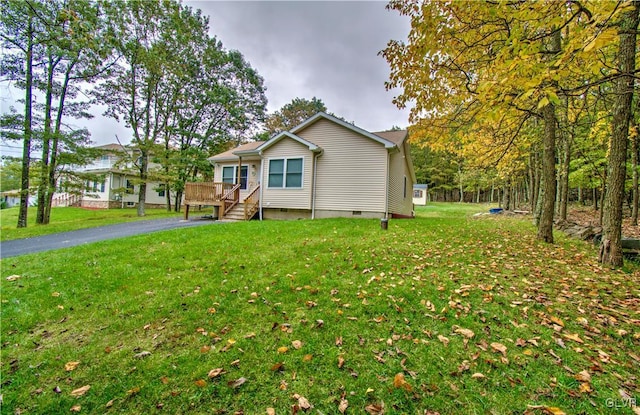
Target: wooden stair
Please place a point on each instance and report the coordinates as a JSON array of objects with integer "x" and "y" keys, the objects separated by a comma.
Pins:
[{"x": 235, "y": 214}]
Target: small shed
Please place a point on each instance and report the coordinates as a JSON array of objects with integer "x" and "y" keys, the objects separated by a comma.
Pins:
[{"x": 420, "y": 194}]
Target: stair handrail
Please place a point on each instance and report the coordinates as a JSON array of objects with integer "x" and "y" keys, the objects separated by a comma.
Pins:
[
  {"x": 231, "y": 197},
  {"x": 251, "y": 203}
]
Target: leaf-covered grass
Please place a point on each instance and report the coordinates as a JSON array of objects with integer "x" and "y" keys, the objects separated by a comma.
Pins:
[
  {"x": 444, "y": 313},
  {"x": 69, "y": 219}
]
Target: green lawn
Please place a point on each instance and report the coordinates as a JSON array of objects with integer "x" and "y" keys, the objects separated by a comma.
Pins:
[
  {"x": 445, "y": 313},
  {"x": 69, "y": 219}
]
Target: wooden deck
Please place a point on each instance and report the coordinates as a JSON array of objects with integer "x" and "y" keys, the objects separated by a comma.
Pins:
[{"x": 224, "y": 195}]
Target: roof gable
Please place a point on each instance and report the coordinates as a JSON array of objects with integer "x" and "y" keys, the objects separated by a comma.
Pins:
[
  {"x": 287, "y": 134},
  {"x": 321, "y": 115}
]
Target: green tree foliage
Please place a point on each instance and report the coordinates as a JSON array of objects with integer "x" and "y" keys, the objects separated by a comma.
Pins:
[
  {"x": 10, "y": 174},
  {"x": 178, "y": 90},
  {"x": 293, "y": 113}
]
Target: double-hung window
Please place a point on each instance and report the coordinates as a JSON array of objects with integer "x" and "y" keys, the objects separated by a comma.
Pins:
[
  {"x": 285, "y": 173},
  {"x": 230, "y": 175}
]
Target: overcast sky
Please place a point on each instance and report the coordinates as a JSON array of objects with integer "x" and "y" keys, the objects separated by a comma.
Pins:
[{"x": 326, "y": 49}]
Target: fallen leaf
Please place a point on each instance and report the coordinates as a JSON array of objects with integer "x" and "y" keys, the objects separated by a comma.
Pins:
[
  {"x": 375, "y": 409},
  {"x": 573, "y": 337},
  {"x": 75, "y": 408},
  {"x": 13, "y": 277},
  {"x": 214, "y": 373},
  {"x": 69, "y": 366},
  {"x": 307, "y": 358},
  {"x": 133, "y": 391},
  {"x": 277, "y": 367},
  {"x": 343, "y": 405},
  {"x": 55, "y": 294},
  {"x": 340, "y": 362},
  {"x": 200, "y": 383},
  {"x": 499, "y": 347},
  {"x": 110, "y": 403},
  {"x": 557, "y": 321},
  {"x": 297, "y": 344},
  {"x": 443, "y": 340},
  {"x": 142, "y": 354},
  {"x": 205, "y": 349},
  {"x": 271, "y": 411},
  {"x": 465, "y": 332},
  {"x": 583, "y": 376},
  {"x": 164, "y": 380},
  {"x": 585, "y": 388},
  {"x": 80, "y": 391},
  {"x": 236, "y": 383},
  {"x": 553, "y": 410},
  {"x": 399, "y": 382},
  {"x": 339, "y": 341},
  {"x": 283, "y": 349},
  {"x": 478, "y": 375},
  {"x": 302, "y": 402}
]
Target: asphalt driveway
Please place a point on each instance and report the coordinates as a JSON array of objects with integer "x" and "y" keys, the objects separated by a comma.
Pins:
[{"x": 101, "y": 233}]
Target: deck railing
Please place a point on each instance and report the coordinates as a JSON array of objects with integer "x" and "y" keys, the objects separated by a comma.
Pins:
[
  {"x": 205, "y": 193},
  {"x": 251, "y": 203},
  {"x": 66, "y": 200}
]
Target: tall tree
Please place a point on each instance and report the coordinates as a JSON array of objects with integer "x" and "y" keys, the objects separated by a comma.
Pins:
[
  {"x": 611, "y": 248},
  {"x": 293, "y": 113},
  {"x": 147, "y": 36},
  {"x": 20, "y": 33}
]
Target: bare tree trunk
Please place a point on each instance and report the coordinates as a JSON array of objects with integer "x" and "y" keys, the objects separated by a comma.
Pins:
[
  {"x": 142, "y": 195},
  {"x": 545, "y": 225},
  {"x": 26, "y": 147},
  {"x": 564, "y": 178},
  {"x": 611, "y": 247},
  {"x": 634, "y": 166}
]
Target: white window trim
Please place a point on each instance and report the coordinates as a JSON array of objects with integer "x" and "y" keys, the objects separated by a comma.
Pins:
[
  {"x": 235, "y": 173},
  {"x": 284, "y": 173}
]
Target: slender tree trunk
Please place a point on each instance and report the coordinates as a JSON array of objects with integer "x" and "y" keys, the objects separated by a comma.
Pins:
[
  {"x": 634, "y": 166},
  {"x": 545, "y": 225},
  {"x": 46, "y": 142},
  {"x": 611, "y": 247},
  {"x": 26, "y": 148},
  {"x": 144, "y": 173},
  {"x": 506, "y": 196},
  {"x": 564, "y": 178},
  {"x": 53, "y": 165}
]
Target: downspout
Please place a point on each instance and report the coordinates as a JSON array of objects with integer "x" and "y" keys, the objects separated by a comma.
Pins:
[
  {"x": 386, "y": 185},
  {"x": 261, "y": 187},
  {"x": 313, "y": 185}
]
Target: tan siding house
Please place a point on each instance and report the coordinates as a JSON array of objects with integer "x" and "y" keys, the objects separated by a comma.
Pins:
[{"x": 326, "y": 167}]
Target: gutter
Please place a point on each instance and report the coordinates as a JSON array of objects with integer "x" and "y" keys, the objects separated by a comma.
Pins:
[{"x": 261, "y": 187}]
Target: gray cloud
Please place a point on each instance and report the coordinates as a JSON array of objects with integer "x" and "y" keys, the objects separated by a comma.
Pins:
[{"x": 323, "y": 49}]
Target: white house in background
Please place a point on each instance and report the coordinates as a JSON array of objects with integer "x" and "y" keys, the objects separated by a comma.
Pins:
[
  {"x": 420, "y": 194},
  {"x": 324, "y": 167},
  {"x": 11, "y": 198},
  {"x": 114, "y": 185}
]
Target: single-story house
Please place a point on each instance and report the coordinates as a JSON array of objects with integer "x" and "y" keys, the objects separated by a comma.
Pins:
[
  {"x": 324, "y": 167},
  {"x": 420, "y": 194}
]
